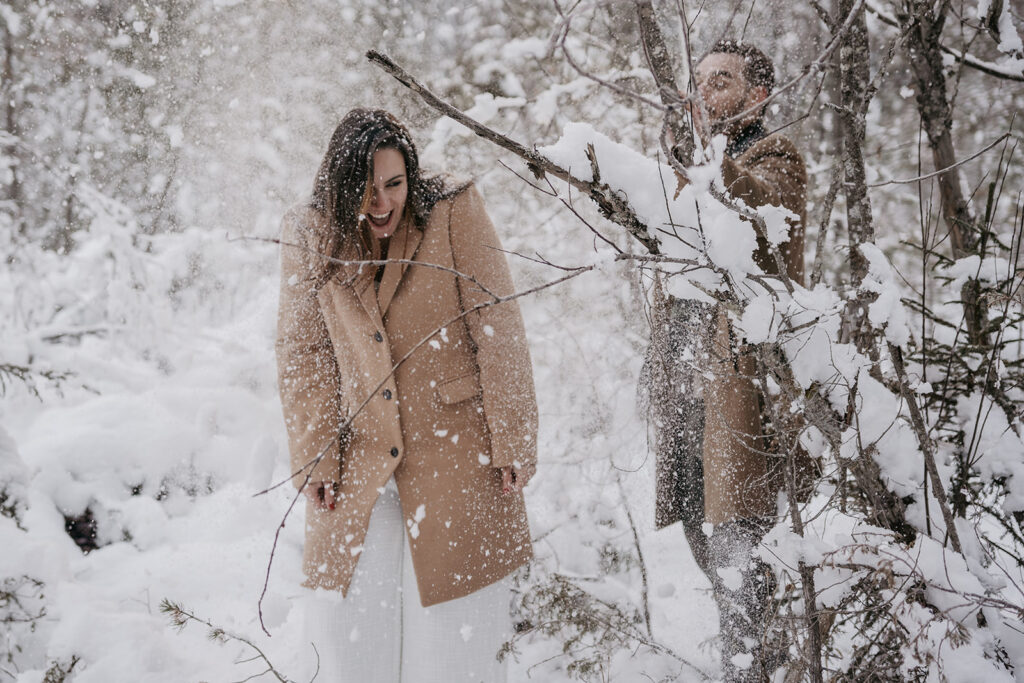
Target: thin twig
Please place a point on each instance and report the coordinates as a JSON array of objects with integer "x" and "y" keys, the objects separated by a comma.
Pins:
[
  {"x": 919, "y": 178},
  {"x": 826, "y": 218},
  {"x": 373, "y": 262},
  {"x": 921, "y": 429},
  {"x": 180, "y": 617},
  {"x": 560, "y": 37},
  {"x": 644, "y": 590}
]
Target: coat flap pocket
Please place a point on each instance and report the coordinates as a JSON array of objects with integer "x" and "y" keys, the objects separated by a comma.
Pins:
[{"x": 458, "y": 389}]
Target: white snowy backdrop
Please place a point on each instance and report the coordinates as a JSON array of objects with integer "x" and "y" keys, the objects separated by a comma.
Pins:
[{"x": 149, "y": 150}]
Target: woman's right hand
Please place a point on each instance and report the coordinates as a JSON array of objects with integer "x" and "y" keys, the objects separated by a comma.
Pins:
[
  {"x": 515, "y": 478},
  {"x": 321, "y": 493}
]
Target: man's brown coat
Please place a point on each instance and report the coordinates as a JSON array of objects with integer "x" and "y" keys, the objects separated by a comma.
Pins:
[
  {"x": 739, "y": 480},
  {"x": 459, "y": 405}
]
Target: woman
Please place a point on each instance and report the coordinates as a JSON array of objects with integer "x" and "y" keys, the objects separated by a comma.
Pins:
[{"x": 417, "y": 389}]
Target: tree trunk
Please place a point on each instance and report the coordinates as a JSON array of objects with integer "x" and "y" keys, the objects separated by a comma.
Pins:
[
  {"x": 923, "y": 27},
  {"x": 854, "y": 75},
  {"x": 884, "y": 507},
  {"x": 659, "y": 61},
  {"x": 11, "y": 124}
]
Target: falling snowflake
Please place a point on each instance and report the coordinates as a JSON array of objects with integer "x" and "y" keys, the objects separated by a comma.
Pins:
[{"x": 414, "y": 523}]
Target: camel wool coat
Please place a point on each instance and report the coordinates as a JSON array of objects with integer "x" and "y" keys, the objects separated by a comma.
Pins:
[
  {"x": 741, "y": 480},
  {"x": 460, "y": 405}
]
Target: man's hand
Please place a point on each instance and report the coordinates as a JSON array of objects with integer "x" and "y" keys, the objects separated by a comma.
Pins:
[
  {"x": 515, "y": 478},
  {"x": 322, "y": 493}
]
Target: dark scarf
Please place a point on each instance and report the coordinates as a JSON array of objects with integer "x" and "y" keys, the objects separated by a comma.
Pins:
[{"x": 745, "y": 139}]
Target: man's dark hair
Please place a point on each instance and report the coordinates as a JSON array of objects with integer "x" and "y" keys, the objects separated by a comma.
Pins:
[{"x": 757, "y": 68}]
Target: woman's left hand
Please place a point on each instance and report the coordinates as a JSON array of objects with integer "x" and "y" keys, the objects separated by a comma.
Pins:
[{"x": 515, "y": 478}]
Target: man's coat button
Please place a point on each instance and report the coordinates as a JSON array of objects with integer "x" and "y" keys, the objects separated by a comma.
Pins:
[
  {"x": 394, "y": 451},
  {"x": 377, "y": 336}
]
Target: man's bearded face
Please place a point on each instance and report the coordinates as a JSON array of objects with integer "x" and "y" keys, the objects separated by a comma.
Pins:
[{"x": 726, "y": 92}]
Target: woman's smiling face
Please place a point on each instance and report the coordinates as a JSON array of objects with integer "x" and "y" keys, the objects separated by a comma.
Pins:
[{"x": 389, "y": 188}]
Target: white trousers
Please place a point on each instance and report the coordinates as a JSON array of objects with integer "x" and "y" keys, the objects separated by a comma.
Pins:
[{"x": 380, "y": 633}]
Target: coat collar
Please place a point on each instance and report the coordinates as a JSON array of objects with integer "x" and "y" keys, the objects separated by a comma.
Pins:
[
  {"x": 404, "y": 244},
  {"x": 405, "y": 241},
  {"x": 745, "y": 139}
]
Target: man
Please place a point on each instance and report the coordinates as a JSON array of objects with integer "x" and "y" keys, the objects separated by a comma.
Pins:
[{"x": 715, "y": 465}]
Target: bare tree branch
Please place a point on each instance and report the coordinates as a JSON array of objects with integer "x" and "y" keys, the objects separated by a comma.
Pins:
[
  {"x": 963, "y": 57},
  {"x": 926, "y": 176},
  {"x": 181, "y": 617},
  {"x": 612, "y": 205},
  {"x": 927, "y": 446},
  {"x": 559, "y": 40},
  {"x": 660, "y": 63}
]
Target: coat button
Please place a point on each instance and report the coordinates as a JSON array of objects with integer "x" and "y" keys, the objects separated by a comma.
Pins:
[
  {"x": 387, "y": 394},
  {"x": 377, "y": 336},
  {"x": 394, "y": 451}
]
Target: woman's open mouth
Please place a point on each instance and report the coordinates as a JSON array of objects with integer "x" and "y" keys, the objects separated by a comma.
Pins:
[{"x": 379, "y": 221}]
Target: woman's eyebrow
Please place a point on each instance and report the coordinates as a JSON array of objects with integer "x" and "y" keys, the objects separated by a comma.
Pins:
[{"x": 396, "y": 177}]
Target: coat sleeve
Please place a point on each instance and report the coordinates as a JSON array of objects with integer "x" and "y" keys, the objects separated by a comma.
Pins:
[
  {"x": 498, "y": 333},
  {"x": 306, "y": 367},
  {"x": 772, "y": 172}
]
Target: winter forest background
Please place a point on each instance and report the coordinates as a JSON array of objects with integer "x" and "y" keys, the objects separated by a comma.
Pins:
[{"x": 149, "y": 149}]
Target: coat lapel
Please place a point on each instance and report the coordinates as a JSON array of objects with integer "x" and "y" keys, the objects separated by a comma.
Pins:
[
  {"x": 360, "y": 279},
  {"x": 364, "y": 289},
  {"x": 407, "y": 240}
]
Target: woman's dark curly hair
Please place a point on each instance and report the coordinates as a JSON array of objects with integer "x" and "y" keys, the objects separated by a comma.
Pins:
[{"x": 344, "y": 180}]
